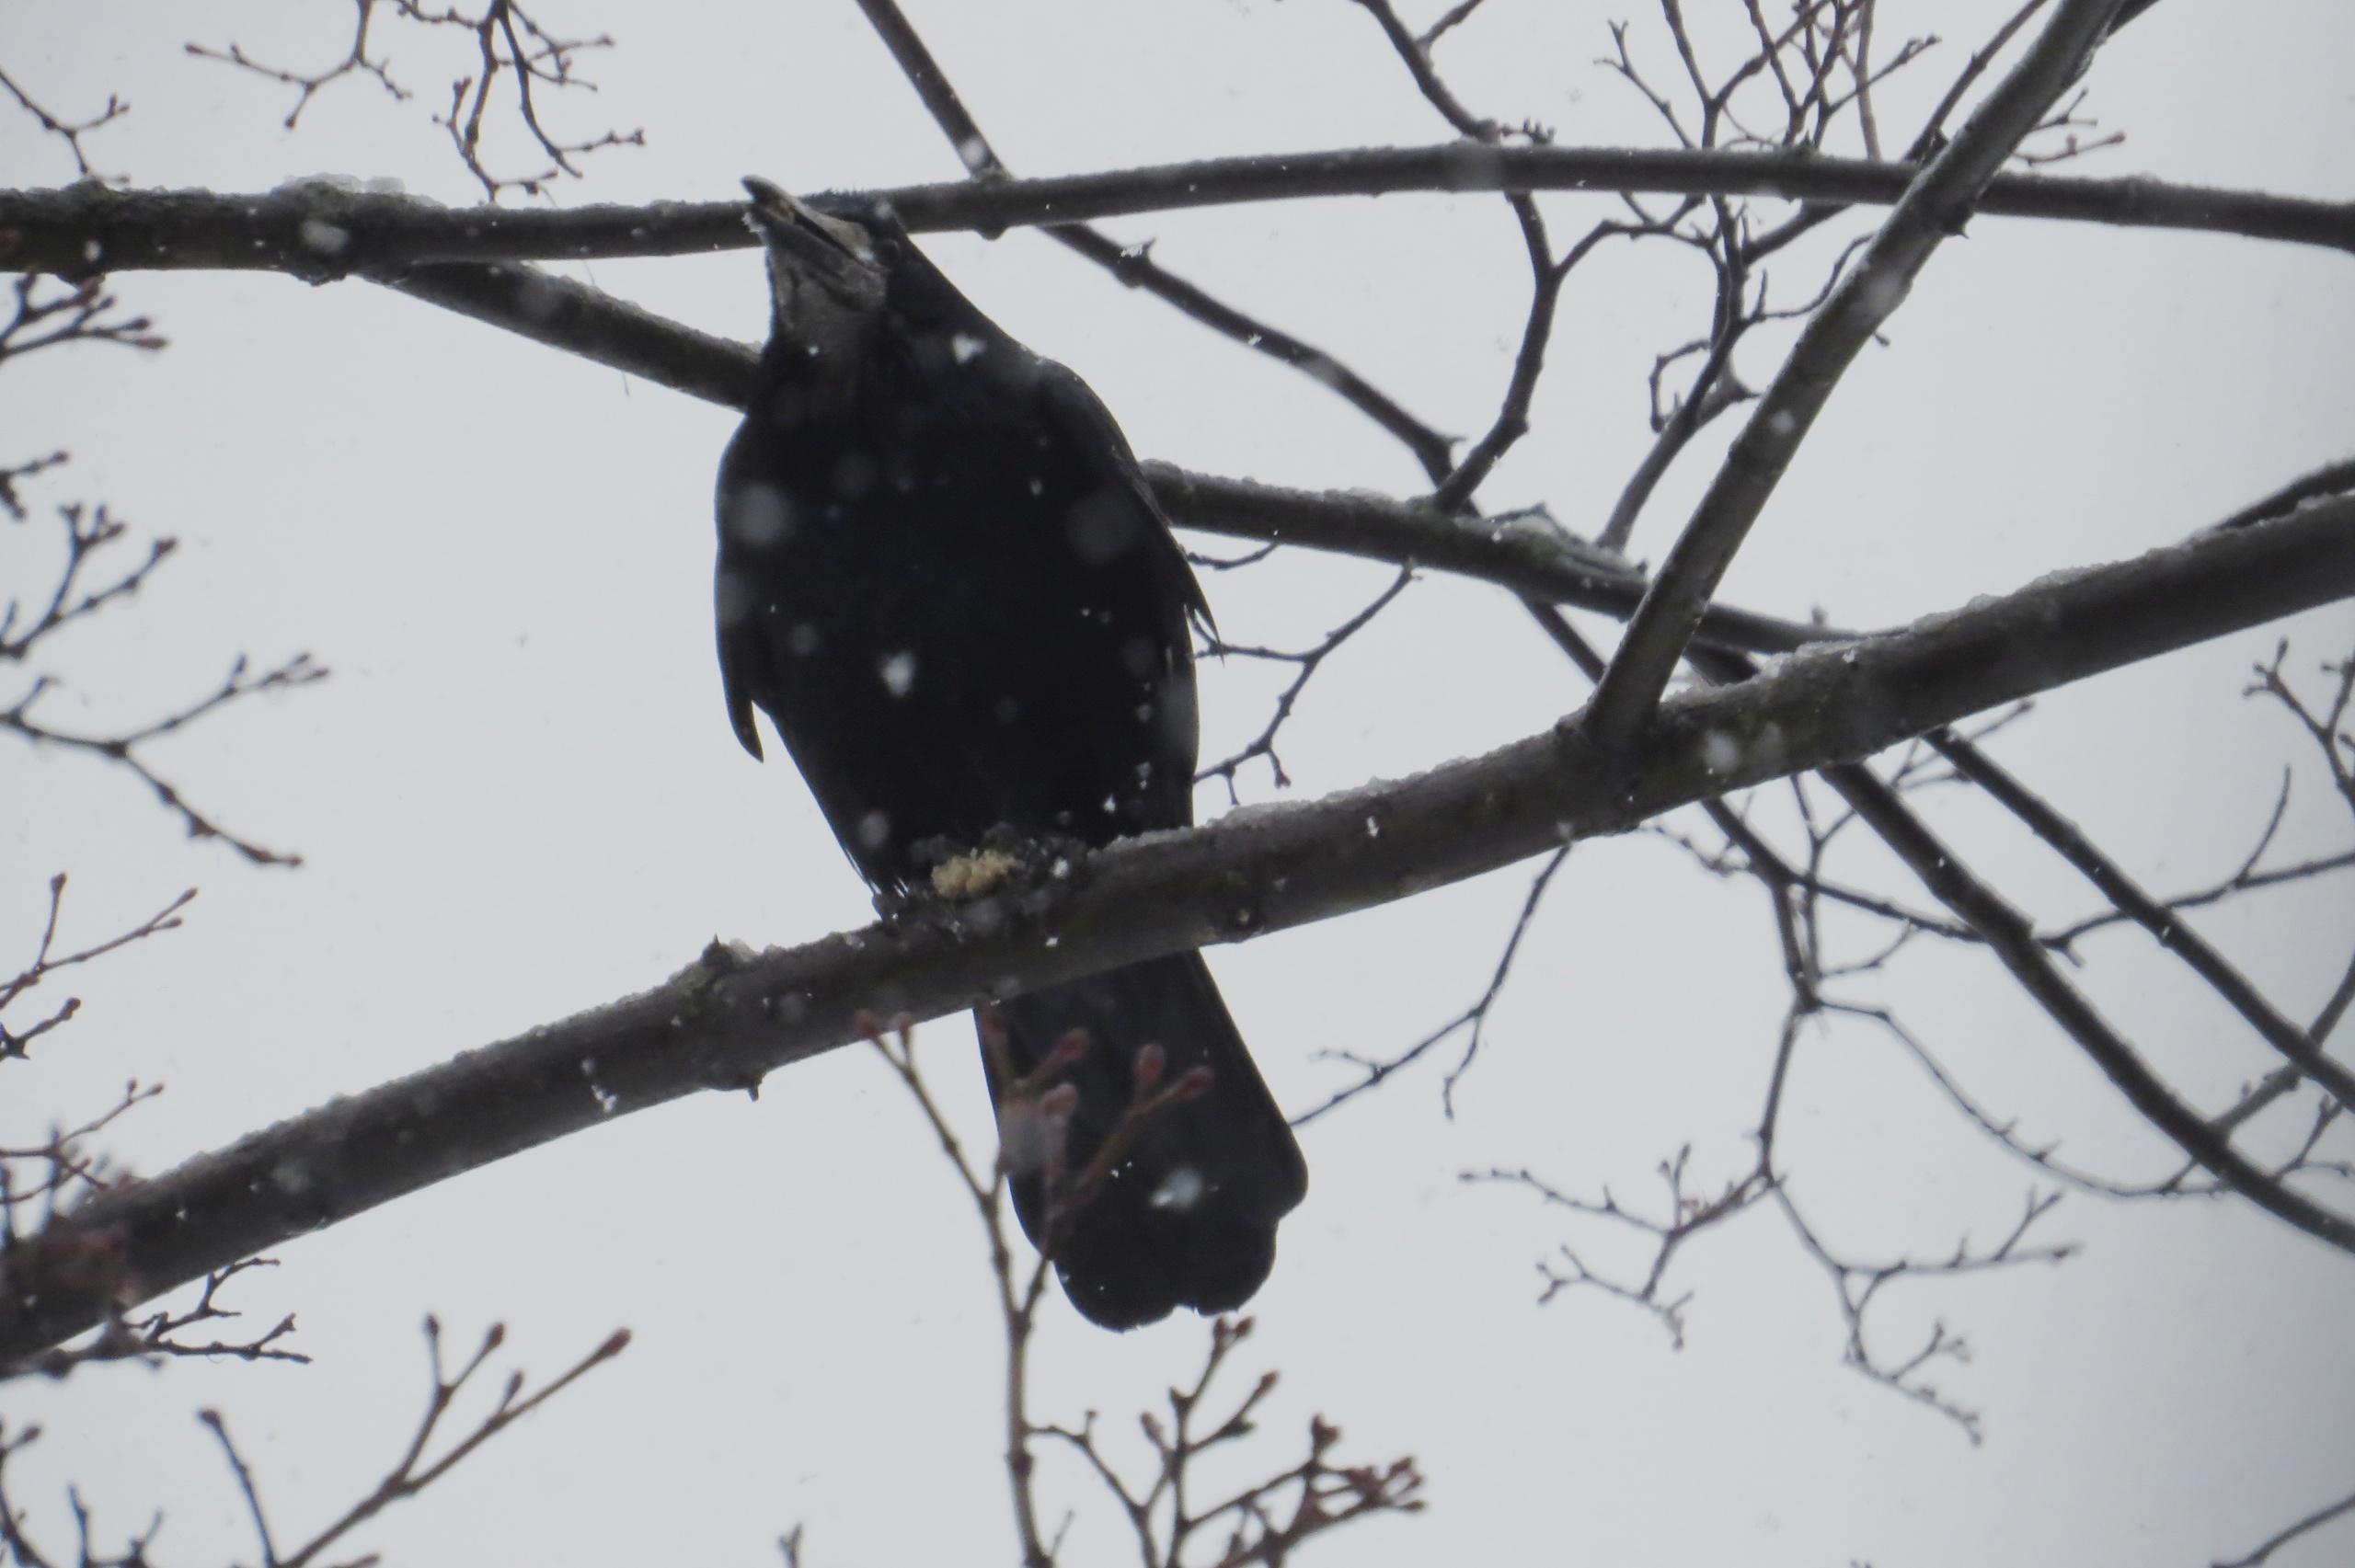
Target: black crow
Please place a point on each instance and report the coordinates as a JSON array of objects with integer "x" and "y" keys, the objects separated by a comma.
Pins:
[{"x": 943, "y": 577}]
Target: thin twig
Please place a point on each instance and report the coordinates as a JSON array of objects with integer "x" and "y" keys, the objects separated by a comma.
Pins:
[
  {"x": 69, "y": 132},
  {"x": 46, "y": 962},
  {"x": 1474, "y": 1018},
  {"x": 122, "y": 750},
  {"x": 1306, "y": 664}
]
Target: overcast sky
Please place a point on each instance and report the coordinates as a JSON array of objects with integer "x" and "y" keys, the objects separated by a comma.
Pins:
[{"x": 518, "y": 796}]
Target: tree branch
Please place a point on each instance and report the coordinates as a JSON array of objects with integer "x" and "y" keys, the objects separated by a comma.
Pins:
[
  {"x": 319, "y": 229},
  {"x": 2315, "y": 1520},
  {"x": 1516, "y": 550},
  {"x": 726, "y": 1020}
]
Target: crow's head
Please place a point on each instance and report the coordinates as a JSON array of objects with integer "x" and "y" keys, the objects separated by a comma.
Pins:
[{"x": 826, "y": 273}]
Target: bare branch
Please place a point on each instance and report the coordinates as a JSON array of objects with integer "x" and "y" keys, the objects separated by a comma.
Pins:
[
  {"x": 1525, "y": 552},
  {"x": 27, "y": 1553},
  {"x": 727, "y": 1020},
  {"x": 508, "y": 41},
  {"x": 11, "y": 501},
  {"x": 2313, "y": 1521},
  {"x": 88, "y": 535},
  {"x": 1019, "y": 1292},
  {"x": 64, "y": 1174},
  {"x": 2005, "y": 1132},
  {"x": 1474, "y": 1018},
  {"x": 1858, "y": 1284},
  {"x": 356, "y": 62},
  {"x": 121, "y": 751},
  {"x": 1417, "y": 58},
  {"x": 2324, "y": 725},
  {"x": 82, "y": 229},
  {"x": 66, "y": 131},
  {"x": 1688, "y": 1214},
  {"x": 46, "y": 961},
  {"x": 1305, "y": 667},
  {"x": 79, "y": 315},
  {"x": 413, "y": 1473},
  {"x": 154, "y": 1336},
  {"x": 1257, "y": 1525},
  {"x": 84, "y": 542}
]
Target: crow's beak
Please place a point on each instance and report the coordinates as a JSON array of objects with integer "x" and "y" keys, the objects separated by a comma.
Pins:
[{"x": 836, "y": 251}]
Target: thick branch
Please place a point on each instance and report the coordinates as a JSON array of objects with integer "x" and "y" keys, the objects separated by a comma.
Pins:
[
  {"x": 319, "y": 230},
  {"x": 725, "y": 1022}
]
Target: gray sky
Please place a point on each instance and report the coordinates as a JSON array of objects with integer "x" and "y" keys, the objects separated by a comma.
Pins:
[{"x": 518, "y": 796}]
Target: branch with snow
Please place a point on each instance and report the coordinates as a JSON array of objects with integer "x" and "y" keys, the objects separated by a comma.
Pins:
[
  {"x": 727, "y": 1020},
  {"x": 83, "y": 228}
]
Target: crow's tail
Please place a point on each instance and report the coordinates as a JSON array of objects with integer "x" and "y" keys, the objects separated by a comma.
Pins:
[{"x": 1187, "y": 1218}]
